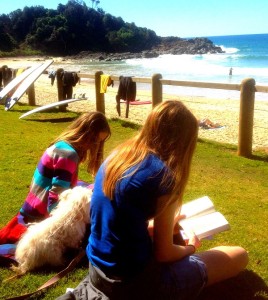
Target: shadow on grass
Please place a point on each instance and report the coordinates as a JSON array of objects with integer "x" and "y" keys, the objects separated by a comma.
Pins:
[
  {"x": 127, "y": 124},
  {"x": 18, "y": 107},
  {"x": 263, "y": 157},
  {"x": 53, "y": 120},
  {"x": 53, "y": 115},
  {"x": 259, "y": 155},
  {"x": 246, "y": 286}
]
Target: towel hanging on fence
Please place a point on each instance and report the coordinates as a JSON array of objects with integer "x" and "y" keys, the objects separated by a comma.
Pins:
[{"x": 105, "y": 82}]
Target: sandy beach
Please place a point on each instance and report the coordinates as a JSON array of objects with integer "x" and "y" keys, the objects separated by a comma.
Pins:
[{"x": 222, "y": 111}]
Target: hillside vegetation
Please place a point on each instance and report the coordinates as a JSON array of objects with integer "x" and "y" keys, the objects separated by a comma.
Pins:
[
  {"x": 70, "y": 29},
  {"x": 75, "y": 27}
]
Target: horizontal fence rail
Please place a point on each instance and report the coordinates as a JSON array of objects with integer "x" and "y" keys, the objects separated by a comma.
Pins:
[{"x": 207, "y": 85}]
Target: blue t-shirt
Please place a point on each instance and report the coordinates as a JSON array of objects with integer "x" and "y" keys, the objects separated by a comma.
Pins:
[{"x": 119, "y": 243}]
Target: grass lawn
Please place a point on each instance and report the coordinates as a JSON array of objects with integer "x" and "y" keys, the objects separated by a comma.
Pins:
[{"x": 237, "y": 186}]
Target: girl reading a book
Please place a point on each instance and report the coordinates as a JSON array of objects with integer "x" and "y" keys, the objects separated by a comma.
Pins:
[{"x": 144, "y": 179}]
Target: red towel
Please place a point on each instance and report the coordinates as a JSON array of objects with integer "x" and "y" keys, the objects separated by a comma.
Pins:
[{"x": 12, "y": 232}]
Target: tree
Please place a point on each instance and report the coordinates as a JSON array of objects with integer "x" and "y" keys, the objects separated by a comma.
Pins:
[
  {"x": 50, "y": 35},
  {"x": 95, "y": 3},
  {"x": 7, "y": 42},
  {"x": 23, "y": 20}
]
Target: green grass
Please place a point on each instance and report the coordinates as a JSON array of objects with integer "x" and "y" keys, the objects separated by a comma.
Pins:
[
  {"x": 20, "y": 52},
  {"x": 238, "y": 187}
]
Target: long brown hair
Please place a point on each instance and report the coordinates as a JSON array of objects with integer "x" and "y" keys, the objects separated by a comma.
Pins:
[
  {"x": 83, "y": 135},
  {"x": 170, "y": 132}
]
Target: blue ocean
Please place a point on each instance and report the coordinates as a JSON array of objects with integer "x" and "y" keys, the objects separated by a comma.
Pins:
[{"x": 247, "y": 55}]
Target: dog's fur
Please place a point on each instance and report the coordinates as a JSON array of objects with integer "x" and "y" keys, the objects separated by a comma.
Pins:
[{"x": 45, "y": 243}]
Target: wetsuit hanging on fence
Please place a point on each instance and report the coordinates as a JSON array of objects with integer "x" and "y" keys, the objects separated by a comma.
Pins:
[
  {"x": 126, "y": 91},
  {"x": 65, "y": 81}
]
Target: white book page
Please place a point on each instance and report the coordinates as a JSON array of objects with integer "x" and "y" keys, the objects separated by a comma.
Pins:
[
  {"x": 200, "y": 206},
  {"x": 206, "y": 225}
]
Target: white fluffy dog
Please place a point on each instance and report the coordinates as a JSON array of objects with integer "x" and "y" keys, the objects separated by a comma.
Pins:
[{"x": 45, "y": 243}]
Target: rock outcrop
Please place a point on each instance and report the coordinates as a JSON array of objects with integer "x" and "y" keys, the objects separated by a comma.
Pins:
[
  {"x": 166, "y": 45},
  {"x": 174, "y": 45}
]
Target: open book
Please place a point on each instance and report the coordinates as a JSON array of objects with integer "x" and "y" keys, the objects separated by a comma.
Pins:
[{"x": 202, "y": 218}]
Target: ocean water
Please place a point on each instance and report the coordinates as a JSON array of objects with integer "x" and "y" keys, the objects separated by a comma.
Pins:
[{"x": 247, "y": 55}]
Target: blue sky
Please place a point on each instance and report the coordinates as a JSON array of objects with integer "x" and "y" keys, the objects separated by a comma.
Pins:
[{"x": 191, "y": 18}]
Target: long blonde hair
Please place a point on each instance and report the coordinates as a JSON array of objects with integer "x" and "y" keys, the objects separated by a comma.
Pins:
[
  {"x": 83, "y": 136},
  {"x": 170, "y": 132}
]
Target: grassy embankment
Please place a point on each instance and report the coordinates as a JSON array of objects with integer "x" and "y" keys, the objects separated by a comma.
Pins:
[{"x": 238, "y": 187}]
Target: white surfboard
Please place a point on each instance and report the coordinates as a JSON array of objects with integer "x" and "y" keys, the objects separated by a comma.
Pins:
[
  {"x": 17, "y": 80},
  {"x": 51, "y": 105},
  {"x": 26, "y": 83}
]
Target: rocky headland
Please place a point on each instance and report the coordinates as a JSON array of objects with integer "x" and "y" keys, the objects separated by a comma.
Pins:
[{"x": 166, "y": 45}]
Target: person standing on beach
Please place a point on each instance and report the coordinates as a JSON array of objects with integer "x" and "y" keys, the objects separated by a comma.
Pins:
[
  {"x": 231, "y": 72},
  {"x": 126, "y": 262},
  {"x": 57, "y": 170}
]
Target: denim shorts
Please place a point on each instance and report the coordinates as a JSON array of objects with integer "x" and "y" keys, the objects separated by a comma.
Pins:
[
  {"x": 183, "y": 279},
  {"x": 180, "y": 280}
]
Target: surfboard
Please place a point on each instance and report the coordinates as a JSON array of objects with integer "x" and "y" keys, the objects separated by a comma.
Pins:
[
  {"x": 136, "y": 102},
  {"x": 30, "y": 79},
  {"x": 17, "y": 80},
  {"x": 51, "y": 105}
]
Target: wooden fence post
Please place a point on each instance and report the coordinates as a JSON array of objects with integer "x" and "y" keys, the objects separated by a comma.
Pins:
[
  {"x": 100, "y": 105},
  {"x": 247, "y": 98},
  {"x": 31, "y": 95},
  {"x": 157, "y": 93}
]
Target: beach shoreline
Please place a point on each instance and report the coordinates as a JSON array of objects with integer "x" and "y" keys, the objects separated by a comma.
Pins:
[{"x": 222, "y": 111}]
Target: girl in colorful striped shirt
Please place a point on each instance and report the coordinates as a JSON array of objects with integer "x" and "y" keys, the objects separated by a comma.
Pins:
[{"x": 57, "y": 170}]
